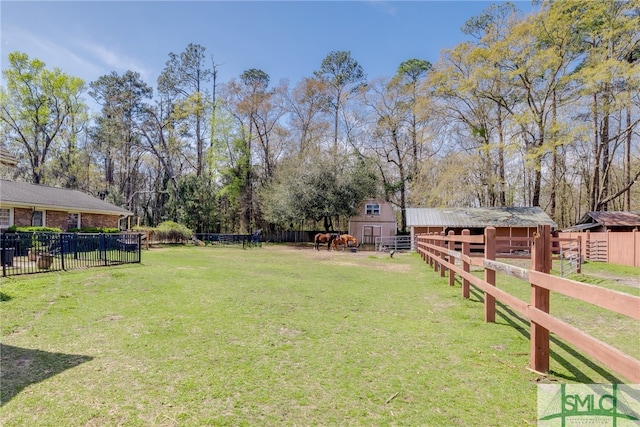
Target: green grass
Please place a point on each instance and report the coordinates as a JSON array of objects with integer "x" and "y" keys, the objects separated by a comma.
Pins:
[{"x": 270, "y": 336}]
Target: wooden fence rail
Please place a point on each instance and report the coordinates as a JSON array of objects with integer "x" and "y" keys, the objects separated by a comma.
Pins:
[{"x": 438, "y": 251}]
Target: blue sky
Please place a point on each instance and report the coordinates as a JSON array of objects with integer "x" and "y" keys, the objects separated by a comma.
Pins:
[{"x": 286, "y": 39}]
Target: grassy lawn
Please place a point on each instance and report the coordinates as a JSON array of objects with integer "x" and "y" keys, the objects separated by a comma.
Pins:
[{"x": 272, "y": 336}]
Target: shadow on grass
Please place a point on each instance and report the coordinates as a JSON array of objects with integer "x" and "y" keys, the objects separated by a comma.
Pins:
[
  {"x": 22, "y": 367},
  {"x": 522, "y": 325},
  {"x": 4, "y": 297}
]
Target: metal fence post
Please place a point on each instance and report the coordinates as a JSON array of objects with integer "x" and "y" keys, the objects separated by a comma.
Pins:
[
  {"x": 62, "y": 241},
  {"x": 2, "y": 255},
  {"x": 103, "y": 243}
]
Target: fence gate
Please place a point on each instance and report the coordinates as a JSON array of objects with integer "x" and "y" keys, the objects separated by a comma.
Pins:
[
  {"x": 570, "y": 258},
  {"x": 395, "y": 243},
  {"x": 596, "y": 250}
]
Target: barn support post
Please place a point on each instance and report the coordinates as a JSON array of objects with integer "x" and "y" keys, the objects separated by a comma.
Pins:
[
  {"x": 489, "y": 274},
  {"x": 540, "y": 261},
  {"x": 466, "y": 251},
  {"x": 451, "y": 258}
]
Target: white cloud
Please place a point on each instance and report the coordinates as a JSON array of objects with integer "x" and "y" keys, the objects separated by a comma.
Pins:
[
  {"x": 114, "y": 61},
  {"x": 383, "y": 6},
  {"x": 76, "y": 57}
]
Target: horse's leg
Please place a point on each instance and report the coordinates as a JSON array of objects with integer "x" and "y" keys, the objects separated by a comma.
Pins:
[{"x": 331, "y": 240}]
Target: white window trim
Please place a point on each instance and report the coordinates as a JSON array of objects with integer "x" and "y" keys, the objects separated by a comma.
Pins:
[
  {"x": 79, "y": 219},
  {"x": 371, "y": 207},
  {"x": 10, "y": 218},
  {"x": 44, "y": 217}
]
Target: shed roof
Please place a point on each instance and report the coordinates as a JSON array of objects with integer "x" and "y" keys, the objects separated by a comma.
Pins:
[
  {"x": 24, "y": 194},
  {"x": 478, "y": 217},
  {"x": 611, "y": 218}
]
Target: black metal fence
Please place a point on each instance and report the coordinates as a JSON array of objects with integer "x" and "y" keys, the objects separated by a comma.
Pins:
[
  {"x": 38, "y": 252},
  {"x": 246, "y": 240}
]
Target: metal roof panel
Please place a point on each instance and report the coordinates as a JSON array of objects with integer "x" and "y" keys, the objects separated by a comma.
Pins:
[{"x": 478, "y": 217}]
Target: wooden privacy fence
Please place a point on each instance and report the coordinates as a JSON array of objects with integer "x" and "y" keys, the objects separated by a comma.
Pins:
[
  {"x": 439, "y": 251},
  {"x": 616, "y": 247}
]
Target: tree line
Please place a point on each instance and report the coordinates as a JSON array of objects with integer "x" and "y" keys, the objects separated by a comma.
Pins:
[{"x": 534, "y": 110}]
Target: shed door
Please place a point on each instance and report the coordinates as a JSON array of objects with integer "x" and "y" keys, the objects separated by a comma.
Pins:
[{"x": 370, "y": 232}]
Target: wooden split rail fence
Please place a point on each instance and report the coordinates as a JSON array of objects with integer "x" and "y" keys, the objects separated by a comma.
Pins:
[{"x": 439, "y": 252}]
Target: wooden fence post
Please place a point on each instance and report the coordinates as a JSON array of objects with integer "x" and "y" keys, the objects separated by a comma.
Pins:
[
  {"x": 540, "y": 261},
  {"x": 489, "y": 274},
  {"x": 443, "y": 269},
  {"x": 451, "y": 258},
  {"x": 466, "y": 250},
  {"x": 430, "y": 252},
  {"x": 580, "y": 260},
  {"x": 587, "y": 246}
]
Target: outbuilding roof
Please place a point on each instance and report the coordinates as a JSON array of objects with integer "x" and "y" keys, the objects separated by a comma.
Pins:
[
  {"x": 23, "y": 194},
  {"x": 610, "y": 219},
  {"x": 478, "y": 217}
]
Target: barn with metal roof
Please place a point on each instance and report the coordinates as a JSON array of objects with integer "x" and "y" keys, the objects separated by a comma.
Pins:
[{"x": 508, "y": 221}]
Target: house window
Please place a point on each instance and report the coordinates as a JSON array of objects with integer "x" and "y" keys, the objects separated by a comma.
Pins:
[
  {"x": 5, "y": 218},
  {"x": 372, "y": 209},
  {"x": 37, "y": 219},
  {"x": 73, "y": 221}
]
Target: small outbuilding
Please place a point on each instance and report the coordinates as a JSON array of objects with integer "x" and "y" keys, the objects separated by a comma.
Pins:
[
  {"x": 375, "y": 218},
  {"x": 508, "y": 221},
  {"x": 607, "y": 221}
]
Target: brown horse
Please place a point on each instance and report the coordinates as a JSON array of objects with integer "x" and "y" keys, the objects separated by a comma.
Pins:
[
  {"x": 327, "y": 238},
  {"x": 349, "y": 240},
  {"x": 346, "y": 240}
]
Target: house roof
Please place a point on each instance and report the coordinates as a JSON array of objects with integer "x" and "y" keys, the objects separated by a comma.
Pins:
[
  {"x": 610, "y": 219},
  {"x": 478, "y": 217},
  {"x": 23, "y": 194}
]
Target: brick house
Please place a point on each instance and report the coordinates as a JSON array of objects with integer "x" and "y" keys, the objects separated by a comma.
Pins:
[{"x": 24, "y": 204}]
